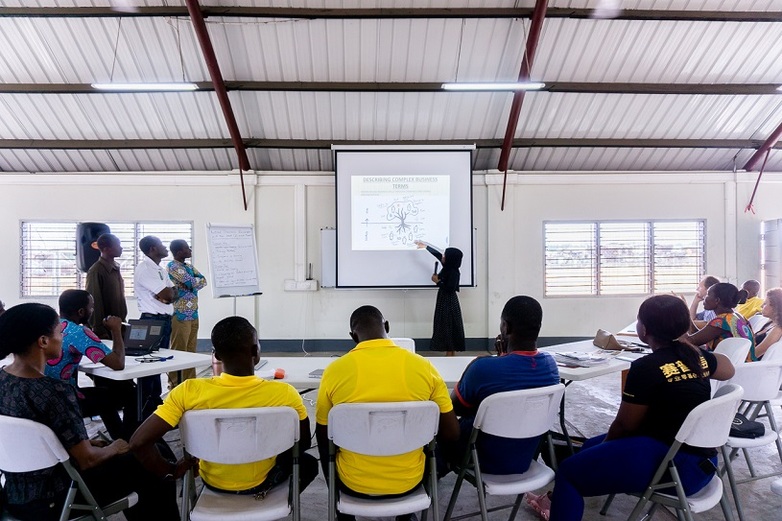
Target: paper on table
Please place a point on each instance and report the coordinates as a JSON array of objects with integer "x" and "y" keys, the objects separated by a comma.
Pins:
[{"x": 582, "y": 359}]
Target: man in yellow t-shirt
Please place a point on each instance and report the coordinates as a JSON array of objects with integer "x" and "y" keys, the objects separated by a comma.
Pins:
[
  {"x": 377, "y": 370},
  {"x": 235, "y": 344},
  {"x": 753, "y": 304}
]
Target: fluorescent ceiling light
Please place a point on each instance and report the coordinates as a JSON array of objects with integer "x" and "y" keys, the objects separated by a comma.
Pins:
[
  {"x": 145, "y": 87},
  {"x": 529, "y": 85}
]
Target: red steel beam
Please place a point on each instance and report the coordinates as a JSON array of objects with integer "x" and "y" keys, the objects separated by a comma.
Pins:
[
  {"x": 765, "y": 147},
  {"x": 538, "y": 14},
  {"x": 219, "y": 86}
]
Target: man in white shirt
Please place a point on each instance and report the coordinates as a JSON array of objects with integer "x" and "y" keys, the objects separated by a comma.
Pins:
[{"x": 154, "y": 293}]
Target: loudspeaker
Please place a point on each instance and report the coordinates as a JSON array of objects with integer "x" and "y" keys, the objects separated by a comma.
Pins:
[{"x": 87, "y": 252}]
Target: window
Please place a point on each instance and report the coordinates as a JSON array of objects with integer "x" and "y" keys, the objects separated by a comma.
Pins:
[
  {"x": 48, "y": 253},
  {"x": 623, "y": 258}
]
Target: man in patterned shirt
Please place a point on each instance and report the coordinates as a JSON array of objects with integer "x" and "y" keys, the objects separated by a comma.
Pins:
[
  {"x": 76, "y": 308},
  {"x": 184, "y": 323}
]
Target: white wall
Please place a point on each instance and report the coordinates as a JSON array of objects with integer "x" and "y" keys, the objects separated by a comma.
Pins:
[{"x": 289, "y": 210}]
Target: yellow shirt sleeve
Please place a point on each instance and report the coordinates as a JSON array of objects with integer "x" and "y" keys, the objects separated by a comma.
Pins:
[{"x": 173, "y": 407}]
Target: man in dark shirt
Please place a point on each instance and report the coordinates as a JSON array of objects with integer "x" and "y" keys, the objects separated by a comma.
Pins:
[
  {"x": 105, "y": 284},
  {"x": 518, "y": 365}
]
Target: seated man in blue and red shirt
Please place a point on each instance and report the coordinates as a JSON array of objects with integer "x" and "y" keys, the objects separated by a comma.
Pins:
[
  {"x": 518, "y": 365},
  {"x": 76, "y": 307}
]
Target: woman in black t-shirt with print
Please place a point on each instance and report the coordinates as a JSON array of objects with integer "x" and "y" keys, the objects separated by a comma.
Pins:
[{"x": 661, "y": 390}]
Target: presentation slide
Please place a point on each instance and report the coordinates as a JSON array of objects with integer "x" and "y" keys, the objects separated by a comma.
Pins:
[
  {"x": 391, "y": 212},
  {"x": 388, "y": 198}
]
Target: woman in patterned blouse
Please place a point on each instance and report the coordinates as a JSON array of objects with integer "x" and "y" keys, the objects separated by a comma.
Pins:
[{"x": 722, "y": 298}]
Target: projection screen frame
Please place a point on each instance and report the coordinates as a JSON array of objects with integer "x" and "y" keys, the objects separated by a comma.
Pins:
[{"x": 467, "y": 239}]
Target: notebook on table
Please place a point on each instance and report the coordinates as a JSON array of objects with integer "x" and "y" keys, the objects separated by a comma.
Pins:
[{"x": 143, "y": 336}]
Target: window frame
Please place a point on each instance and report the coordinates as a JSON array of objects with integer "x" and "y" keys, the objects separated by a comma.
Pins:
[
  {"x": 652, "y": 247},
  {"x": 134, "y": 255}
]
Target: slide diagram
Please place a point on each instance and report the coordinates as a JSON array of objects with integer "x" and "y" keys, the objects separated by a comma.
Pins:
[{"x": 392, "y": 212}]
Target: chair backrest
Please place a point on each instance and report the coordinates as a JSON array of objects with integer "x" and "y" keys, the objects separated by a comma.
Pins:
[
  {"x": 773, "y": 353},
  {"x": 233, "y": 436},
  {"x": 383, "y": 429},
  {"x": 405, "y": 343},
  {"x": 736, "y": 349},
  {"x": 756, "y": 322},
  {"x": 709, "y": 423},
  {"x": 26, "y": 445},
  {"x": 760, "y": 381},
  {"x": 520, "y": 414}
]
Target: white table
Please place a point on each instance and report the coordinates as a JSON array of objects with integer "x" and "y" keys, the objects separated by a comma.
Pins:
[
  {"x": 135, "y": 369},
  {"x": 298, "y": 368},
  {"x": 568, "y": 375}
]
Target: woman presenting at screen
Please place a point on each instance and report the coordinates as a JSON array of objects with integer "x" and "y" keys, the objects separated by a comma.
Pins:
[{"x": 448, "y": 330}]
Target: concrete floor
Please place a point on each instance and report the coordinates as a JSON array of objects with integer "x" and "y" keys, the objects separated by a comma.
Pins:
[{"x": 591, "y": 407}]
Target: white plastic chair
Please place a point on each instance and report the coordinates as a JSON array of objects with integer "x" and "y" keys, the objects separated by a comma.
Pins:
[
  {"x": 405, "y": 343},
  {"x": 235, "y": 436},
  {"x": 756, "y": 322},
  {"x": 736, "y": 349},
  {"x": 773, "y": 353},
  {"x": 706, "y": 426},
  {"x": 384, "y": 429},
  {"x": 26, "y": 446},
  {"x": 761, "y": 383},
  {"x": 511, "y": 414}
]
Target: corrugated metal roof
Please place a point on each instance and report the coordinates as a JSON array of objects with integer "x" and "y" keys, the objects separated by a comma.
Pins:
[{"x": 156, "y": 49}]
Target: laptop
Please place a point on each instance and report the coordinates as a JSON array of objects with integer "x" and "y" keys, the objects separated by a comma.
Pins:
[{"x": 143, "y": 336}]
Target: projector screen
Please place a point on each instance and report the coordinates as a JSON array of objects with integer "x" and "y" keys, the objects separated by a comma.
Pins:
[{"x": 389, "y": 198}]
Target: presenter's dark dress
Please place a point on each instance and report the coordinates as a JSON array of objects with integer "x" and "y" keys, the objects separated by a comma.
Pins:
[{"x": 448, "y": 330}]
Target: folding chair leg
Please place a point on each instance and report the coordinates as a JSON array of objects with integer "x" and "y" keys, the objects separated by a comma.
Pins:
[
  {"x": 481, "y": 492},
  {"x": 185, "y": 512},
  {"x": 773, "y": 423},
  {"x": 66, "y": 507},
  {"x": 607, "y": 504},
  {"x": 732, "y": 481},
  {"x": 454, "y": 495},
  {"x": 551, "y": 454},
  {"x": 639, "y": 507},
  {"x": 726, "y": 511},
  {"x": 516, "y": 506}
]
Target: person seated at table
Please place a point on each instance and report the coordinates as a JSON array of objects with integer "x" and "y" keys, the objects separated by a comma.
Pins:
[
  {"x": 236, "y": 345},
  {"x": 76, "y": 308},
  {"x": 377, "y": 370},
  {"x": 518, "y": 365},
  {"x": 33, "y": 334},
  {"x": 722, "y": 298},
  {"x": 660, "y": 391},
  {"x": 770, "y": 333},
  {"x": 751, "y": 304}
]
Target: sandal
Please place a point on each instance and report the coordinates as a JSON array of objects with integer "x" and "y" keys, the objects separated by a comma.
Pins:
[{"x": 540, "y": 504}]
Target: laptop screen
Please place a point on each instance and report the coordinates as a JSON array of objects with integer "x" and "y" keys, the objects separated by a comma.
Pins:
[{"x": 143, "y": 333}]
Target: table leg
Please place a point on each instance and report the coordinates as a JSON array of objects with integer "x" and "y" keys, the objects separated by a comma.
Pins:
[
  {"x": 139, "y": 404},
  {"x": 562, "y": 419}
]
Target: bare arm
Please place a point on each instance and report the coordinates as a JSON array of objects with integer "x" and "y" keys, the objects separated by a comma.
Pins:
[
  {"x": 116, "y": 359},
  {"x": 449, "y": 427},
  {"x": 142, "y": 443},
  {"x": 305, "y": 436},
  {"x": 88, "y": 456},
  {"x": 627, "y": 420},
  {"x": 704, "y": 336},
  {"x": 167, "y": 295},
  {"x": 724, "y": 370}
]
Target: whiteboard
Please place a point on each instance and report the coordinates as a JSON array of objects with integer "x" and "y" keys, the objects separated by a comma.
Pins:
[{"x": 233, "y": 260}]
